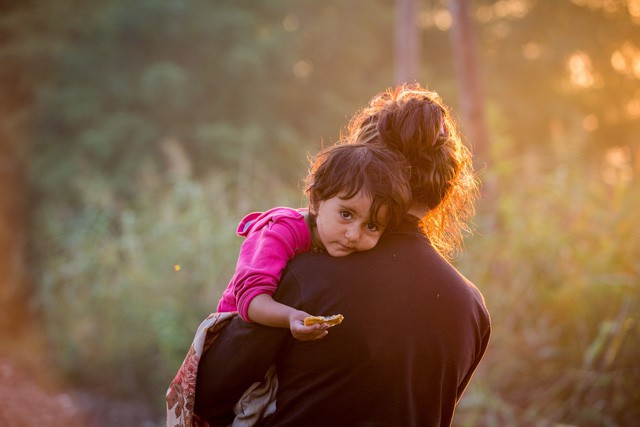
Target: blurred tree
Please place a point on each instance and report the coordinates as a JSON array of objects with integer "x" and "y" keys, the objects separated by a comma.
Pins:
[
  {"x": 407, "y": 42},
  {"x": 245, "y": 87},
  {"x": 248, "y": 87},
  {"x": 16, "y": 96},
  {"x": 472, "y": 101},
  {"x": 13, "y": 235},
  {"x": 128, "y": 75},
  {"x": 561, "y": 71},
  {"x": 552, "y": 71}
]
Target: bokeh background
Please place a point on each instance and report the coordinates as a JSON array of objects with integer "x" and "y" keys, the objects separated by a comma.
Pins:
[{"x": 136, "y": 133}]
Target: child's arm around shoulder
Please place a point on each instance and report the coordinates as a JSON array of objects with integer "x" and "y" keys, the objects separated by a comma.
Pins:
[{"x": 273, "y": 239}]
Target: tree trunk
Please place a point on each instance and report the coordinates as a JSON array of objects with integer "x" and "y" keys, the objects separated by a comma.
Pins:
[
  {"x": 407, "y": 40},
  {"x": 472, "y": 101},
  {"x": 465, "y": 52},
  {"x": 15, "y": 94},
  {"x": 13, "y": 239}
]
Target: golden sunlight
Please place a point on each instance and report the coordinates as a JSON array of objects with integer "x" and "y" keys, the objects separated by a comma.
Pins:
[
  {"x": 633, "y": 108},
  {"x": 484, "y": 14},
  {"x": 442, "y": 19},
  {"x": 612, "y": 7},
  {"x": 176, "y": 267},
  {"x": 609, "y": 6},
  {"x": 618, "y": 62},
  {"x": 439, "y": 18},
  {"x": 531, "y": 50},
  {"x": 626, "y": 60},
  {"x": 612, "y": 116},
  {"x": 617, "y": 166},
  {"x": 515, "y": 9},
  {"x": 581, "y": 70},
  {"x": 512, "y": 8},
  {"x": 590, "y": 122},
  {"x": 634, "y": 10}
]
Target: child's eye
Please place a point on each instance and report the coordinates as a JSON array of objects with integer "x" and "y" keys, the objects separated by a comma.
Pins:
[
  {"x": 372, "y": 227},
  {"x": 345, "y": 214}
]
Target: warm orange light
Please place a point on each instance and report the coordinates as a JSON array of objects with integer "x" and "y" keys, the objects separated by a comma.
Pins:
[
  {"x": 581, "y": 70},
  {"x": 635, "y": 66},
  {"x": 626, "y": 59},
  {"x": 176, "y": 267},
  {"x": 612, "y": 116},
  {"x": 590, "y": 122},
  {"x": 531, "y": 50},
  {"x": 634, "y": 10},
  {"x": 633, "y": 108},
  {"x": 484, "y": 13},
  {"x": 617, "y": 61},
  {"x": 511, "y": 8},
  {"x": 442, "y": 19},
  {"x": 617, "y": 166}
]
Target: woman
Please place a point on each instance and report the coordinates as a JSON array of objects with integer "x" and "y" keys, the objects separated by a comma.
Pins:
[
  {"x": 415, "y": 122},
  {"x": 414, "y": 328}
]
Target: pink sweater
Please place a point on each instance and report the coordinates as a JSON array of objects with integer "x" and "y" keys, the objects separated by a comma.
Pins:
[{"x": 273, "y": 238}]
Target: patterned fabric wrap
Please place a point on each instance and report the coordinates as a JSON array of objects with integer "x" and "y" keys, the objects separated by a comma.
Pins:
[{"x": 257, "y": 402}]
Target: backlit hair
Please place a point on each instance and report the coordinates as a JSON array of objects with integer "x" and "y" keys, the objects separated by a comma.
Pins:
[
  {"x": 415, "y": 122},
  {"x": 344, "y": 170}
]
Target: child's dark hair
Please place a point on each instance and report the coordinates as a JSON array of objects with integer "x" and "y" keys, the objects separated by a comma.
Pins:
[{"x": 345, "y": 169}]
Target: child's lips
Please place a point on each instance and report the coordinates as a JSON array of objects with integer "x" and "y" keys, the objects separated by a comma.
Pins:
[{"x": 345, "y": 248}]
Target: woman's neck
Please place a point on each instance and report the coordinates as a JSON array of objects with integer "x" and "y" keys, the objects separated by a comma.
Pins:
[{"x": 419, "y": 211}]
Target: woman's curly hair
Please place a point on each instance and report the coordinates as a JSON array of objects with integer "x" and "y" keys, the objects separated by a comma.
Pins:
[{"x": 415, "y": 122}]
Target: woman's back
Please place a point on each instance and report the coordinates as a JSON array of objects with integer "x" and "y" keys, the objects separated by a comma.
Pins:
[{"x": 413, "y": 333}]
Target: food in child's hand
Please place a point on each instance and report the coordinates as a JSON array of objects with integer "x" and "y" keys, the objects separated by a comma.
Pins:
[{"x": 330, "y": 320}]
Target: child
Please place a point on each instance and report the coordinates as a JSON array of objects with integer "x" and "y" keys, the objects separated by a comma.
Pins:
[{"x": 355, "y": 191}]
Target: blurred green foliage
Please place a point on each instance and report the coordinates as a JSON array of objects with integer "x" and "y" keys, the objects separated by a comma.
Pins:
[
  {"x": 128, "y": 283},
  {"x": 560, "y": 276},
  {"x": 151, "y": 128}
]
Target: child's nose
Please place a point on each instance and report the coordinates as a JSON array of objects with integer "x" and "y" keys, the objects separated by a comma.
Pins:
[{"x": 352, "y": 234}]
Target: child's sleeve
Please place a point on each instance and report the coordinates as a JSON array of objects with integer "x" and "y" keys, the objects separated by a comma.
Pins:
[{"x": 264, "y": 255}]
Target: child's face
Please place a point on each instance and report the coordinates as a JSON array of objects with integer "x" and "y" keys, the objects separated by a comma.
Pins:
[{"x": 344, "y": 226}]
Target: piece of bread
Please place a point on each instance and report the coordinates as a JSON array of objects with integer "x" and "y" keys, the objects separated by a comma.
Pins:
[{"x": 330, "y": 320}]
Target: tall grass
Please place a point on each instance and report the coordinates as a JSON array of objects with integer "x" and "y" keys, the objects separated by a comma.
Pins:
[
  {"x": 123, "y": 287},
  {"x": 561, "y": 277}
]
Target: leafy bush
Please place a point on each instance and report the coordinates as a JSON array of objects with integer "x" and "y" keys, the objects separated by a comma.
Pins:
[
  {"x": 561, "y": 277},
  {"x": 123, "y": 287}
]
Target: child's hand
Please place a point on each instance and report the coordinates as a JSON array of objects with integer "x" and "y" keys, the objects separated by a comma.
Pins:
[{"x": 306, "y": 333}]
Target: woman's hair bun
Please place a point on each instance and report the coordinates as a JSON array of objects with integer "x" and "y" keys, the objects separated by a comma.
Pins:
[
  {"x": 416, "y": 129},
  {"x": 388, "y": 133}
]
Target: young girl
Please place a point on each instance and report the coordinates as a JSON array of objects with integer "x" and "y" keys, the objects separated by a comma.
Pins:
[{"x": 355, "y": 191}]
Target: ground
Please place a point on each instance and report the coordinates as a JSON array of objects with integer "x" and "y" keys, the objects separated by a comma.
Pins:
[{"x": 32, "y": 394}]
